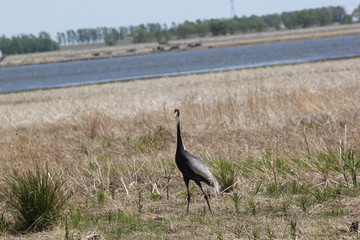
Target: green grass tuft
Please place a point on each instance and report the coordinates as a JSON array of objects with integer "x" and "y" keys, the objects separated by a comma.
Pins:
[
  {"x": 36, "y": 198},
  {"x": 351, "y": 162},
  {"x": 291, "y": 188},
  {"x": 225, "y": 172},
  {"x": 4, "y": 224}
]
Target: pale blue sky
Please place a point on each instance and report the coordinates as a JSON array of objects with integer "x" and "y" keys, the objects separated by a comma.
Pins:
[{"x": 33, "y": 16}]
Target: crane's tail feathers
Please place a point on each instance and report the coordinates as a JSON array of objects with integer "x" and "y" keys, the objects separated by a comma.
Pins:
[{"x": 215, "y": 186}]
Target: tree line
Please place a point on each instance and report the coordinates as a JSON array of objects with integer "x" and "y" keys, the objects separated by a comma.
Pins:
[
  {"x": 163, "y": 33},
  {"x": 201, "y": 28},
  {"x": 27, "y": 44}
]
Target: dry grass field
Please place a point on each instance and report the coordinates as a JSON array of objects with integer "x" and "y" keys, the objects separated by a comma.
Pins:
[{"x": 282, "y": 139}]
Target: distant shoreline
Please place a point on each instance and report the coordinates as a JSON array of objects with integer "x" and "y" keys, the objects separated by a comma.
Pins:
[{"x": 98, "y": 51}]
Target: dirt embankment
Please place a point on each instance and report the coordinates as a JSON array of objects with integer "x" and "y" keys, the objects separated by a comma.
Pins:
[{"x": 98, "y": 52}]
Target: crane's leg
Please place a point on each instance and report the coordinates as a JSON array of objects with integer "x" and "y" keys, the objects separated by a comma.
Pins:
[
  {"x": 205, "y": 196},
  {"x": 188, "y": 195}
]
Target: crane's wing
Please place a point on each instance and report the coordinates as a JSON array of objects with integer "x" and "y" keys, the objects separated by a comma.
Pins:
[{"x": 200, "y": 168}]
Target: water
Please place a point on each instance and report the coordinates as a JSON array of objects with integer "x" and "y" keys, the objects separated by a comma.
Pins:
[{"x": 39, "y": 76}]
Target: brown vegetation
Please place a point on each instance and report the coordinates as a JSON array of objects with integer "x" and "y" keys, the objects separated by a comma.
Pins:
[{"x": 282, "y": 129}]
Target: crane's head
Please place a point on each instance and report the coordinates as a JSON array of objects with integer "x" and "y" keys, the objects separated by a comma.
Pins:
[{"x": 176, "y": 112}]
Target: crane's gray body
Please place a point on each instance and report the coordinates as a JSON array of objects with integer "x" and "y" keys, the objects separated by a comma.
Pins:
[{"x": 192, "y": 167}]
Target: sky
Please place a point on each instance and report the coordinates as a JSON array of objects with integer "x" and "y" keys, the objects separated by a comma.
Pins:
[{"x": 52, "y": 16}]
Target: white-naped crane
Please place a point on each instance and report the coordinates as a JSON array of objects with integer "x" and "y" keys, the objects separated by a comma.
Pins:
[{"x": 192, "y": 167}]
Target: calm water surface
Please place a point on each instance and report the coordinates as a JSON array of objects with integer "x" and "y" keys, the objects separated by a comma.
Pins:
[{"x": 134, "y": 67}]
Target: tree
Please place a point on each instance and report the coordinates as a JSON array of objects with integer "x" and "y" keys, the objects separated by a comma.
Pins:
[
  {"x": 338, "y": 14},
  {"x": 82, "y": 36},
  {"x": 289, "y": 20},
  {"x": 322, "y": 16},
  {"x": 155, "y": 31},
  {"x": 141, "y": 36},
  {"x": 201, "y": 29},
  {"x": 5, "y": 44},
  {"x": 272, "y": 20},
  {"x": 42, "y": 43},
  {"x": 257, "y": 24},
  {"x": 243, "y": 24},
  {"x": 93, "y": 35},
  {"x": 304, "y": 18},
  {"x": 152, "y": 27},
  {"x": 123, "y": 33},
  {"x": 162, "y": 36},
  {"x": 60, "y": 37},
  {"x": 356, "y": 14},
  {"x": 218, "y": 27},
  {"x": 27, "y": 44},
  {"x": 232, "y": 25},
  {"x": 71, "y": 36},
  {"x": 114, "y": 32},
  {"x": 183, "y": 30},
  {"x": 110, "y": 39}
]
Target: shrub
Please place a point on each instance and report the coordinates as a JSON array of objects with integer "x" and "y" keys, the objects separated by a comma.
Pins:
[
  {"x": 304, "y": 203},
  {"x": 225, "y": 173},
  {"x": 4, "y": 225},
  {"x": 110, "y": 39},
  {"x": 157, "y": 140},
  {"x": 291, "y": 188},
  {"x": 236, "y": 197},
  {"x": 252, "y": 206},
  {"x": 351, "y": 165},
  {"x": 322, "y": 195},
  {"x": 36, "y": 198},
  {"x": 326, "y": 162}
]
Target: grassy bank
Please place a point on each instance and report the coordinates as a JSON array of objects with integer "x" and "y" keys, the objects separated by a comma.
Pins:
[{"x": 281, "y": 138}]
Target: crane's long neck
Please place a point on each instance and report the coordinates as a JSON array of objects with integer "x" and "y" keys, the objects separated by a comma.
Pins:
[{"x": 180, "y": 144}]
